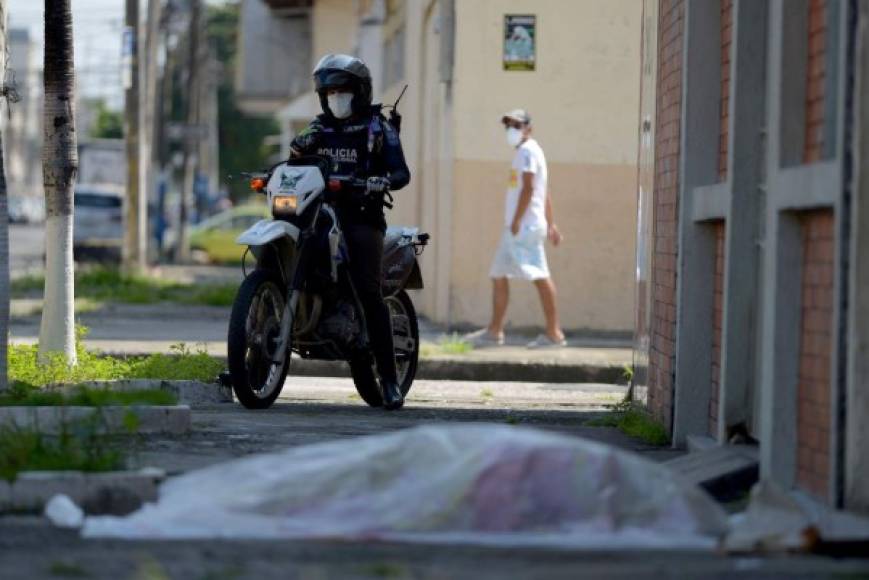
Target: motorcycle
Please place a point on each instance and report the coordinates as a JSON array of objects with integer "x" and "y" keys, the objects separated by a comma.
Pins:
[{"x": 300, "y": 299}]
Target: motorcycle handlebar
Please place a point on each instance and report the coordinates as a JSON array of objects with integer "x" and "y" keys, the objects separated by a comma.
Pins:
[{"x": 338, "y": 182}]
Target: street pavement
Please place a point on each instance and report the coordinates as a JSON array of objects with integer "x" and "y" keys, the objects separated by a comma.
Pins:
[
  {"x": 26, "y": 248},
  {"x": 132, "y": 329},
  {"x": 312, "y": 410},
  {"x": 135, "y": 329}
]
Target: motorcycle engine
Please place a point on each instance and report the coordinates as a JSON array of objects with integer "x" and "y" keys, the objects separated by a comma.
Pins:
[{"x": 340, "y": 324}]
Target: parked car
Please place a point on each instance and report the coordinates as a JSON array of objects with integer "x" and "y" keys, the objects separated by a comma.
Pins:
[
  {"x": 26, "y": 209},
  {"x": 17, "y": 210},
  {"x": 98, "y": 229},
  {"x": 213, "y": 239}
]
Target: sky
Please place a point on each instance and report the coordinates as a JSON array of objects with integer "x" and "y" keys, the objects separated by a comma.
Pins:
[{"x": 97, "y": 29}]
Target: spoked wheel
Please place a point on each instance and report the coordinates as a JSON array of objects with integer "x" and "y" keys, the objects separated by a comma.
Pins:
[
  {"x": 405, "y": 339},
  {"x": 254, "y": 331}
]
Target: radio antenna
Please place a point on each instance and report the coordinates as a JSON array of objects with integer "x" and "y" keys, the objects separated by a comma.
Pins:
[{"x": 395, "y": 104}]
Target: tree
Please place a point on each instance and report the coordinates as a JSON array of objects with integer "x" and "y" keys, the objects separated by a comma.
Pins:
[
  {"x": 241, "y": 137},
  {"x": 59, "y": 168},
  {"x": 4, "y": 222},
  {"x": 108, "y": 124}
]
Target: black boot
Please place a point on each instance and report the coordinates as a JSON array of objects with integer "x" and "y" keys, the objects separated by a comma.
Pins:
[{"x": 392, "y": 397}]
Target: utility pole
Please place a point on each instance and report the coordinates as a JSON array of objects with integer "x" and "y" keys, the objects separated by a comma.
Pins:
[
  {"x": 147, "y": 150},
  {"x": 191, "y": 118},
  {"x": 134, "y": 232}
]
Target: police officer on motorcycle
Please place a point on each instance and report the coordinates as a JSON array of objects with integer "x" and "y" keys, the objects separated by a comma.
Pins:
[{"x": 360, "y": 142}]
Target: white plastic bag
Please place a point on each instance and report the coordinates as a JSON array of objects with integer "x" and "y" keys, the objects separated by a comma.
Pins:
[{"x": 489, "y": 484}]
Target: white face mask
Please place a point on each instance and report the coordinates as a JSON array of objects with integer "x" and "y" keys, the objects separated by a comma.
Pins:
[
  {"x": 340, "y": 104},
  {"x": 514, "y": 136}
]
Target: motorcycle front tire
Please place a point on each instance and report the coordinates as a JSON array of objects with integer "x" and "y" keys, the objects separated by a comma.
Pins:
[{"x": 238, "y": 347}]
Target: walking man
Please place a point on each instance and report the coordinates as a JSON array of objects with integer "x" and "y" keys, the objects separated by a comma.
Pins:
[{"x": 527, "y": 225}]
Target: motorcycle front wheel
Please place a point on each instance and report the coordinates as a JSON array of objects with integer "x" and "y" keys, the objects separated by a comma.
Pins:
[
  {"x": 254, "y": 331},
  {"x": 405, "y": 339}
]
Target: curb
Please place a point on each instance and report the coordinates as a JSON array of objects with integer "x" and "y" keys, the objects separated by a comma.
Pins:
[
  {"x": 471, "y": 370},
  {"x": 192, "y": 393},
  {"x": 173, "y": 419},
  {"x": 113, "y": 492},
  {"x": 455, "y": 369}
]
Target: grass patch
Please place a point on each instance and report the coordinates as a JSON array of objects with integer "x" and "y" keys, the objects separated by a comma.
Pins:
[
  {"x": 447, "y": 344},
  {"x": 635, "y": 422},
  {"x": 111, "y": 285},
  {"x": 628, "y": 373},
  {"x": 34, "y": 307},
  {"x": 180, "y": 364},
  {"x": 78, "y": 448},
  {"x": 29, "y": 396},
  {"x": 68, "y": 570},
  {"x": 385, "y": 570}
]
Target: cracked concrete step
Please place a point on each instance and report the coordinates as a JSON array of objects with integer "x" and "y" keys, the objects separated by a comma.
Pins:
[
  {"x": 113, "y": 492},
  {"x": 727, "y": 472}
]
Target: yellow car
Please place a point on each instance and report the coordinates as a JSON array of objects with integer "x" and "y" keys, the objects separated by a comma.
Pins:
[{"x": 215, "y": 237}]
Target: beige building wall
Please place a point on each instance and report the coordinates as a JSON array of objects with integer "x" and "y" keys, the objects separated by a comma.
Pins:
[
  {"x": 584, "y": 101},
  {"x": 583, "y": 98}
]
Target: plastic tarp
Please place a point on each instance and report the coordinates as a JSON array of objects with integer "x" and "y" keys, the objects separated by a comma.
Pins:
[
  {"x": 497, "y": 485},
  {"x": 778, "y": 521}
]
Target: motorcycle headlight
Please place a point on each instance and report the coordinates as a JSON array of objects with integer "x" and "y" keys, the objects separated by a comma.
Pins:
[{"x": 285, "y": 204}]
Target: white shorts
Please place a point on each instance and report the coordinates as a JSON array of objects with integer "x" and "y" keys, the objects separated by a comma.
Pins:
[{"x": 521, "y": 256}]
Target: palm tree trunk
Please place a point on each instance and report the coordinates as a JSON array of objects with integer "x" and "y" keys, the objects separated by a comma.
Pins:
[
  {"x": 59, "y": 168},
  {"x": 4, "y": 225}
]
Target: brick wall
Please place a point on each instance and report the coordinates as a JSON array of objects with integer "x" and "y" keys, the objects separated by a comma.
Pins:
[
  {"x": 717, "y": 327},
  {"x": 814, "y": 389},
  {"x": 815, "y": 73},
  {"x": 662, "y": 349},
  {"x": 726, "y": 42}
]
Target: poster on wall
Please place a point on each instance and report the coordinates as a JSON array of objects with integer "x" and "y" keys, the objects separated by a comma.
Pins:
[{"x": 520, "y": 41}]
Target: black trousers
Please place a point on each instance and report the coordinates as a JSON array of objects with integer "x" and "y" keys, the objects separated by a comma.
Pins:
[{"x": 365, "y": 246}]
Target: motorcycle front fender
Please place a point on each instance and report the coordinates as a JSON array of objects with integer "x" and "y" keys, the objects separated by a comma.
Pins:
[{"x": 267, "y": 231}]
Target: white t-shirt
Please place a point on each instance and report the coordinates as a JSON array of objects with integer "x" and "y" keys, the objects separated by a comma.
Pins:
[{"x": 529, "y": 158}]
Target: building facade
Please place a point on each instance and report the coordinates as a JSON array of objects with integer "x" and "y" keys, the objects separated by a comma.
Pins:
[
  {"x": 582, "y": 96},
  {"x": 753, "y": 256}
]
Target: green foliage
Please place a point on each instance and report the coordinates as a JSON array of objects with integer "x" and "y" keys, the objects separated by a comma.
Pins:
[
  {"x": 77, "y": 448},
  {"x": 28, "y": 284},
  {"x": 241, "y": 137},
  {"x": 628, "y": 373},
  {"x": 447, "y": 344},
  {"x": 634, "y": 421},
  {"x": 67, "y": 570},
  {"x": 25, "y": 370},
  {"x": 24, "y": 395},
  {"x": 181, "y": 364},
  {"x": 453, "y": 344},
  {"x": 111, "y": 285},
  {"x": 109, "y": 124}
]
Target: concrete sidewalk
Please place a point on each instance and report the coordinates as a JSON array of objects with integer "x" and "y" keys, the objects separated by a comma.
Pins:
[{"x": 130, "y": 329}]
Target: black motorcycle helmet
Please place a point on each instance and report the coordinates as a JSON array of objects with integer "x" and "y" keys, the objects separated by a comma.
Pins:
[{"x": 342, "y": 71}]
